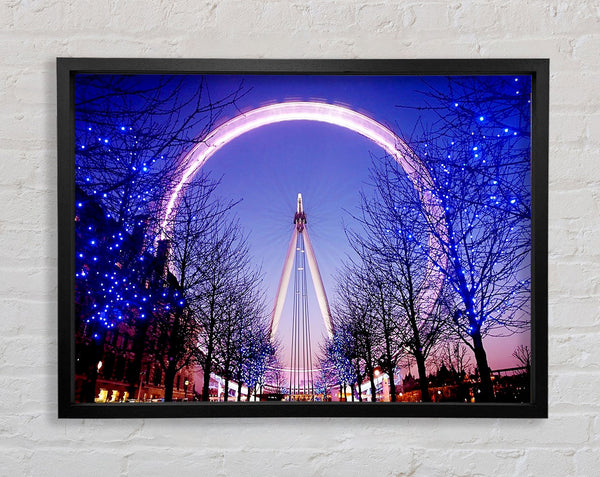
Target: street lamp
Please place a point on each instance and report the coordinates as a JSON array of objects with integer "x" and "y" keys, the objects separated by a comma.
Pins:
[{"x": 185, "y": 386}]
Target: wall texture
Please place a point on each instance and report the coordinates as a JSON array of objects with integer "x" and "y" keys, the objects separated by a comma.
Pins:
[{"x": 33, "y": 33}]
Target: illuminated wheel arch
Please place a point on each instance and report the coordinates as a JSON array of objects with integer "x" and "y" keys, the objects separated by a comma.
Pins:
[{"x": 339, "y": 116}]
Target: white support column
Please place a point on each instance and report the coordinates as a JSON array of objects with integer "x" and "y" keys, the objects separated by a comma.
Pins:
[
  {"x": 283, "y": 283},
  {"x": 318, "y": 283}
]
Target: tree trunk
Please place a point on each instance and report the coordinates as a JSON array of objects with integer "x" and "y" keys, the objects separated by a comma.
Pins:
[
  {"x": 170, "y": 373},
  {"x": 239, "y": 394},
  {"x": 392, "y": 386},
  {"x": 359, "y": 387},
  {"x": 226, "y": 389},
  {"x": 88, "y": 388},
  {"x": 423, "y": 385},
  {"x": 138, "y": 354},
  {"x": 487, "y": 389},
  {"x": 373, "y": 388},
  {"x": 206, "y": 381}
]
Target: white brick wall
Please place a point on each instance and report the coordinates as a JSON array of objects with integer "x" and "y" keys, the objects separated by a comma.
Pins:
[{"x": 33, "y": 442}]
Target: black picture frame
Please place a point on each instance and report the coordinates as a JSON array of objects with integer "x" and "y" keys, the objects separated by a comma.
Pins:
[{"x": 67, "y": 68}]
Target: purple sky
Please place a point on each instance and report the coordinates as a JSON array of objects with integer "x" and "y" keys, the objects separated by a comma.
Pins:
[{"x": 267, "y": 167}]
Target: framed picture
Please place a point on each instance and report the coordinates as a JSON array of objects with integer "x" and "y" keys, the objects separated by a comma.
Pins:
[{"x": 257, "y": 238}]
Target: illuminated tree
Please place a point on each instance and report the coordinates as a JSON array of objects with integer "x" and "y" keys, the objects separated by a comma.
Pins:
[
  {"x": 130, "y": 132},
  {"x": 478, "y": 153},
  {"x": 336, "y": 359},
  {"x": 355, "y": 341},
  {"x": 261, "y": 356},
  {"x": 241, "y": 319}
]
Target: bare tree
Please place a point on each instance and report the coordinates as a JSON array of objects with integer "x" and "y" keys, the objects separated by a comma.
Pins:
[
  {"x": 183, "y": 252},
  {"x": 390, "y": 336},
  {"x": 241, "y": 315},
  {"x": 130, "y": 132},
  {"x": 478, "y": 153},
  {"x": 356, "y": 327},
  {"x": 336, "y": 362},
  {"x": 453, "y": 355},
  {"x": 260, "y": 357},
  {"x": 523, "y": 354},
  {"x": 389, "y": 243},
  {"x": 226, "y": 261}
]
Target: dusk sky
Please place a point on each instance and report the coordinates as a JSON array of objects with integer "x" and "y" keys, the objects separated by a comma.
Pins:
[{"x": 267, "y": 168}]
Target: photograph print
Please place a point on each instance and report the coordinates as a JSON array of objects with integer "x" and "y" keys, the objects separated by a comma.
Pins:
[{"x": 298, "y": 238}]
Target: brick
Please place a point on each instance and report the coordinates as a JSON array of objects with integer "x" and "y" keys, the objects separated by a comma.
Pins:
[
  {"x": 566, "y": 275},
  {"x": 574, "y": 204},
  {"x": 38, "y": 16},
  {"x": 581, "y": 97},
  {"x": 150, "y": 461},
  {"x": 547, "y": 462},
  {"x": 575, "y": 430},
  {"x": 575, "y": 351},
  {"x": 587, "y": 461},
  {"x": 574, "y": 133},
  {"x": 90, "y": 462},
  {"x": 466, "y": 462},
  {"x": 593, "y": 128},
  {"x": 15, "y": 461},
  {"x": 585, "y": 48},
  {"x": 574, "y": 312},
  {"x": 383, "y": 17},
  {"x": 574, "y": 388}
]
